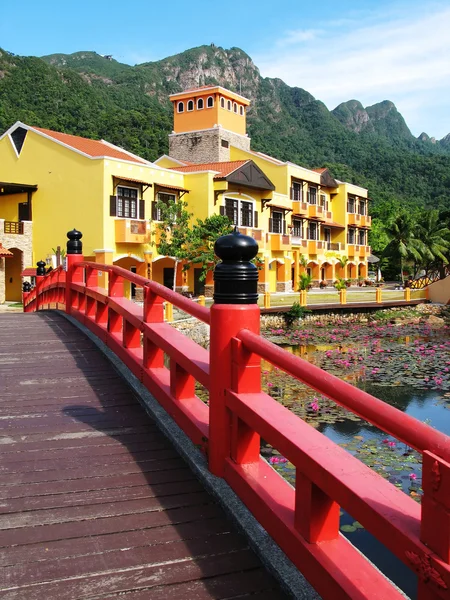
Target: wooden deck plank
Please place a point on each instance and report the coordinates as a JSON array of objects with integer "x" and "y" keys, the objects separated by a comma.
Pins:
[{"x": 94, "y": 501}]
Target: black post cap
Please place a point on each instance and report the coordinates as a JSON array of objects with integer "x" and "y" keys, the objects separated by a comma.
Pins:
[
  {"x": 236, "y": 278},
  {"x": 26, "y": 286},
  {"x": 40, "y": 268},
  {"x": 74, "y": 245}
]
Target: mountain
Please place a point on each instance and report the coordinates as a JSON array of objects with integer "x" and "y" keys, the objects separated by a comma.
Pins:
[{"x": 95, "y": 96}]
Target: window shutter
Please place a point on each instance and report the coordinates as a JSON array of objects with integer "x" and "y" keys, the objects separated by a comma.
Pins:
[
  {"x": 141, "y": 209},
  {"x": 222, "y": 211},
  {"x": 271, "y": 224},
  {"x": 154, "y": 212},
  {"x": 112, "y": 206},
  {"x": 284, "y": 226},
  {"x": 255, "y": 218}
]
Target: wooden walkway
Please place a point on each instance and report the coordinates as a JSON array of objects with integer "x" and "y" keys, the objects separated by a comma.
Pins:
[{"x": 94, "y": 501}]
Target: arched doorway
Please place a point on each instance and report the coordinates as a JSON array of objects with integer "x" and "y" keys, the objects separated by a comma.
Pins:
[
  {"x": 130, "y": 263},
  {"x": 13, "y": 278}
]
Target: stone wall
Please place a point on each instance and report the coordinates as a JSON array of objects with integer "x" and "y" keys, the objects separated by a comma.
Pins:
[
  {"x": 206, "y": 146},
  {"x": 23, "y": 242}
]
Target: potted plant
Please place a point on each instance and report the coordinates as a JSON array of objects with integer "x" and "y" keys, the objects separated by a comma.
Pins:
[
  {"x": 305, "y": 282},
  {"x": 323, "y": 284},
  {"x": 360, "y": 281},
  {"x": 348, "y": 282}
]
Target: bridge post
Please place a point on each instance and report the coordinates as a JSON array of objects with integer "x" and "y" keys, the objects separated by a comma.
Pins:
[
  {"x": 40, "y": 274},
  {"x": 74, "y": 254},
  {"x": 26, "y": 289},
  {"x": 235, "y": 308}
]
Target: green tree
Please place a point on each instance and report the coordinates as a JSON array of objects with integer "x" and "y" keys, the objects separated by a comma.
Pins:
[
  {"x": 201, "y": 240},
  {"x": 435, "y": 236},
  {"x": 403, "y": 243},
  {"x": 173, "y": 228}
]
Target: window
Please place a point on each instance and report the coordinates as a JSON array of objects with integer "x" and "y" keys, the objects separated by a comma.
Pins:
[
  {"x": 180, "y": 106},
  {"x": 351, "y": 236},
  {"x": 323, "y": 202},
  {"x": 327, "y": 235},
  {"x": 351, "y": 204},
  {"x": 313, "y": 231},
  {"x": 277, "y": 222},
  {"x": 229, "y": 104},
  {"x": 241, "y": 111},
  {"x": 225, "y": 143},
  {"x": 239, "y": 212},
  {"x": 246, "y": 214},
  {"x": 297, "y": 228},
  {"x": 127, "y": 199},
  {"x": 210, "y": 102},
  {"x": 361, "y": 237},
  {"x": 312, "y": 195},
  {"x": 297, "y": 191},
  {"x": 362, "y": 207},
  {"x": 222, "y": 103},
  {"x": 235, "y": 108},
  {"x": 161, "y": 197},
  {"x": 190, "y": 105},
  {"x": 200, "y": 104}
]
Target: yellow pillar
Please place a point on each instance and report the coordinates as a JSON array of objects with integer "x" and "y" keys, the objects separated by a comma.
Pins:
[
  {"x": 169, "y": 312},
  {"x": 378, "y": 295},
  {"x": 201, "y": 300},
  {"x": 266, "y": 299},
  {"x": 302, "y": 297},
  {"x": 407, "y": 294},
  {"x": 104, "y": 257},
  {"x": 343, "y": 296}
]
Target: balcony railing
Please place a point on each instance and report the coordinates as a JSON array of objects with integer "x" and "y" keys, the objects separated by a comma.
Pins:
[
  {"x": 132, "y": 231},
  {"x": 13, "y": 228},
  {"x": 336, "y": 246},
  {"x": 278, "y": 241},
  {"x": 299, "y": 208}
]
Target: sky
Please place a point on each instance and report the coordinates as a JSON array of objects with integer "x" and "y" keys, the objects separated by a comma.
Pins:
[{"x": 336, "y": 50}]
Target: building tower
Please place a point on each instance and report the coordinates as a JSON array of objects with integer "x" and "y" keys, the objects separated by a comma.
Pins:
[{"x": 207, "y": 120}]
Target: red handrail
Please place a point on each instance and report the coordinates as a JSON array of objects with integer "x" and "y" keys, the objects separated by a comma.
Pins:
[{"x": 303, "y": 520}]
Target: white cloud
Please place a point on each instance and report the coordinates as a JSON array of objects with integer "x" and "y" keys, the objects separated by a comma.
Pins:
[{"x": 404, "y": 58}]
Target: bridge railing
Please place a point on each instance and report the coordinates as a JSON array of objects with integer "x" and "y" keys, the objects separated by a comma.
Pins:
[{"x": 303, "y": 520}]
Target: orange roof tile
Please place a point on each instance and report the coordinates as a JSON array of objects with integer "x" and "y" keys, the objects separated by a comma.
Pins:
[
  {"x": 4, "y": 252},
  {"x": 321, "y": 170},
  {"x": 94, "y": 148},
  {"x": 223, "y": 168}
]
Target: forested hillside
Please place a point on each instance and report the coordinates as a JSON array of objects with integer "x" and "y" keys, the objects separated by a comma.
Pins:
[{"x": 89, "y": 95}]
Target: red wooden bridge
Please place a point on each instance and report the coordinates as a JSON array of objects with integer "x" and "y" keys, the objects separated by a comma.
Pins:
[{"x": 303, "y": 521}]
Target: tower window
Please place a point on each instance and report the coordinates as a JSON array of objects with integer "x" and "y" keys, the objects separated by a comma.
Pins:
[
  {"x": 241, "y": 111},
  {"x": 210, "y": 102},
  {"x": 180, "y": 107},
  {"x": 190, "y": 105},
  {"x": 200, "y": 104},
  {"x": 18, "y": 137},
  {"x": 222, "y": 103},
  {"x": 229, "y": 105},
  {"x": 235, "y": 109},
  {"x": 225, "y": 143}
]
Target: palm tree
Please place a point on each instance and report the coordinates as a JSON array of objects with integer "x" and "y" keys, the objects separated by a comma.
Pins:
[
  {"x": 435, "y": 235},
  {"x": 342, "y": 261},
  {"x": 403, "y": 242}
]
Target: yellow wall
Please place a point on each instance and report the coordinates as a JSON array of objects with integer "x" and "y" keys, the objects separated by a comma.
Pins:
[{"x": 9, "y": 206}]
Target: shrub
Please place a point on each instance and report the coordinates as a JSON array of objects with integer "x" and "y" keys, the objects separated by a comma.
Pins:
[
  {"x": 305, "y": 281},
  {"x": 294, "y": 313},
  {"x": 340, "y": 284}
]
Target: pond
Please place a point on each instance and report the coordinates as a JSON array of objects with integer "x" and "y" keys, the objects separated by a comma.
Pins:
[{"x": 406, "y": 364}]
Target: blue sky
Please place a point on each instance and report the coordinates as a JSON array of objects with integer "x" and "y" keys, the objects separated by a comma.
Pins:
[{"x": 370, "y": 50}]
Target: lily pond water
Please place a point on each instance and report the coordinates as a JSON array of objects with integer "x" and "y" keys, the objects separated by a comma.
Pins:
[{"x": 403, "y": 359}]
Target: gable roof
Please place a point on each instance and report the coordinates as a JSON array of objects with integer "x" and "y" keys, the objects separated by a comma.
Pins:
[
  {"x": 240, "y": 172},
  {"x": 85, "y": 146},
  {"x": 93, "y": 148}
]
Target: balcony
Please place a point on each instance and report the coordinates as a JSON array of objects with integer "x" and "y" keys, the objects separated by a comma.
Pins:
[
  {"x": 297, "y": 241},
  {"x": 299, "y": 208},
  {"x": 366, "y": 221},
  {"x": 315, "y": 246},
  {"x": 354, "y": 250},
  {"x": 278, "y": 241},
  {"x": 132, "y": 231},
  {"x": 328, "y": 216},
  {"x": 315, "y": 211},
  {"x": 256, "y": 234},
  {"x": 333, "y": 246},
  {"x": 354, "y": 219}
]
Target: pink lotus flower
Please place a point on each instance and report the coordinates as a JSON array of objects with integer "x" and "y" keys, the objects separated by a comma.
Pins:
[
  {"x": 413, "y": 476},
  {"x": 392, "y": 444},
  {"x": 314, "y": 405}
]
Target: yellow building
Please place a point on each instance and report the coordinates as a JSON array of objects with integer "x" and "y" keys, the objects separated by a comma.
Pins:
[{"x": 51, "y": 182}]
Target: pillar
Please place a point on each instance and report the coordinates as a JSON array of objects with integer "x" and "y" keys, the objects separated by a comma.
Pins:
[{"x": 103, "y": 257}]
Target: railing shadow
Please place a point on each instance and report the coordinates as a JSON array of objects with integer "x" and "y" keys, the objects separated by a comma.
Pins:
[{"x": 162, "y": 511}]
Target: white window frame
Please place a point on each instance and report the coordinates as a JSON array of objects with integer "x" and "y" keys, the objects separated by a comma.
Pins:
[
  {"x": 239, "y": 199},
  {"x": 198, "y": 104},
  {"x": 229, "y": 105},
  {"x": 180, "y": 103},
  {"x": 241, "y": 110},
  {"x": 222, "y": 102},
  {"x": 208, "y": 105},
  {"x": 190, "y": 103},
  {"x": 235, "y": 107},
  {"x": 122, "y": 206},
  {"x": 158, "y": 210}
]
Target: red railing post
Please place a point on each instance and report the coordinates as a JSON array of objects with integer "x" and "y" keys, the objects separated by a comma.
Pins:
[
  {"x": 26, "y": 289},
  {"x": 235, "y": 308},
  {"x": 91, "y": 282},
  {"x": 40, "y": 275},
  {"x": 115, "y": 290},
  {"x": 74, "y": 254},
  {"x": 153, "y": 313}
]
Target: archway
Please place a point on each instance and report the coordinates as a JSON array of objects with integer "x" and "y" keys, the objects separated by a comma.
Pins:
[
  {"x": 13, "y": 278},
  {"x": 326, "y": 271},
  {"x": 131, "y": 263}
]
